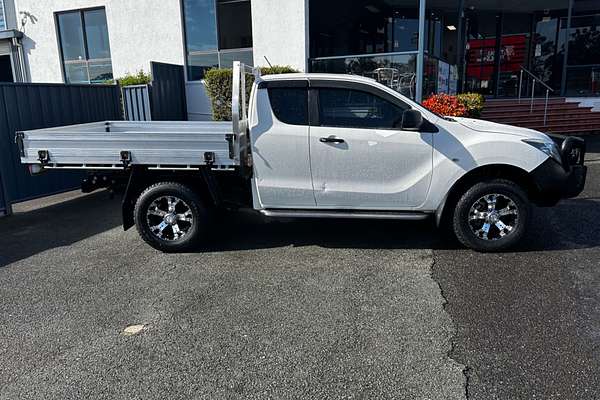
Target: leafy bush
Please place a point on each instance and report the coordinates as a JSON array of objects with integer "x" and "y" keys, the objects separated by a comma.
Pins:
[
  {"x": 473, "y": 103},
  {"x": 140, "y": 78},
  {"x": 444, "y": 104},
  {"x": 462, "y": 105},
  {"x": 218, "y": 86}
]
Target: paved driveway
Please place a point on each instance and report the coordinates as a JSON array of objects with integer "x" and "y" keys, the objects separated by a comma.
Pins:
[{"x": 297, "y": 309}]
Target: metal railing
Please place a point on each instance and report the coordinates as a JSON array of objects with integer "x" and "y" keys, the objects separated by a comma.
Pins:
[{"x": 536, "y": 79}]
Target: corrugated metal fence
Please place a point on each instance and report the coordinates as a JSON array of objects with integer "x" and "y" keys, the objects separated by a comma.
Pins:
[
  {"x": 136, "y": 102},
  {"x": 168, "y": 92},
  {"x": 161, "y": 100},
  {"x": 26, "y": 106}
]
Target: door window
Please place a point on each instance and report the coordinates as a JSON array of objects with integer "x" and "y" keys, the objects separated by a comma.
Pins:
[{"x": 357, "y": 109}]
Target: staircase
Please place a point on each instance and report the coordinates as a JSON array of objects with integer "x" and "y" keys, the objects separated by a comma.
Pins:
[{"x": 563, "y": 117}]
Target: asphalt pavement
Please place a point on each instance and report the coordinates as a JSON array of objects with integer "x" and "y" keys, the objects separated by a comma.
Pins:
[{"x": 297, "y": 309}]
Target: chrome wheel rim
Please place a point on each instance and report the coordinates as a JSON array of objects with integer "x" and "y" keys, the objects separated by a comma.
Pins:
[
  {"x": 169, "y": 218},
  {"x": 493, "y": 216}
]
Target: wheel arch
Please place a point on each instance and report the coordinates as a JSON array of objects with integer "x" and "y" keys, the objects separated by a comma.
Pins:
[{"x": 486, "y": 172}]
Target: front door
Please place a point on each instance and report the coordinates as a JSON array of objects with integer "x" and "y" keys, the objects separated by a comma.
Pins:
[{"x": 360, "y": 157}]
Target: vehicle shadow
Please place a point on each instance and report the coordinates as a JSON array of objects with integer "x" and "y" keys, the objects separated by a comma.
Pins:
[
  {"x": 249, "y": 231},
  {"x": 28, "y": 233},
  {"x": 565, "y": 227}
]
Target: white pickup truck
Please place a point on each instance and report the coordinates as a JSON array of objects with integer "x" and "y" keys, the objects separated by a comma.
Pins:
[{"x": 319, "y": 146}]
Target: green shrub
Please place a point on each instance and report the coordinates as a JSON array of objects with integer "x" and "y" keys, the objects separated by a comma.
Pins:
[
  {"x": 472, "y": 102},
  {"x": 140, "y": 78},
  {"x": 218, "y": 86}
]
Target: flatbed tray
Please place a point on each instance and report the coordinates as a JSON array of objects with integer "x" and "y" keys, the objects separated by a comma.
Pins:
[{"x": 118, "y": 144}]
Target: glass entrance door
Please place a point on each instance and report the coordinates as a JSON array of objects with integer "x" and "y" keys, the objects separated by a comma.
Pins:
[
  {"x": 514, "y": 52},
  {"x": 501, "y": 37},
  {"x": 480, "y": 54}
]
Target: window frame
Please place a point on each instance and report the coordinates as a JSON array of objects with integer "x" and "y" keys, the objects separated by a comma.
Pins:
[
  {"x": 87, "y": 60},
  {"x": 218, "y": 49},
  {"x": 315, "y": 118}
]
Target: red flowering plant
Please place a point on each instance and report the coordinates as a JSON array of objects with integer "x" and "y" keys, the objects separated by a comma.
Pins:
[{"x": 445, "y": 104}]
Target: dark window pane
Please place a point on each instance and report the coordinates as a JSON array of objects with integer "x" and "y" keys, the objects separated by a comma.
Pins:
[
  {"x": 198, "y": 64},
  {"x": 76, "y": 72},
  {"x": 235, "y": 24},
  {"x": 71, "y": 36},
  {"x": 290, "y": 105},
  {"x": 97, "y": 34},
  {"x": 200, "y": 25},
  {"x": 342, "y": 27},
  {"x": 357, "y": 109},
  {"x": 228, "y": 57}
]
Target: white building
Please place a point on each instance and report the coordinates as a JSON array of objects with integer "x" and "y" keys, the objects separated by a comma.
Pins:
[
  {"x": 90, "y": 41},
  {"x": 415, "y": 46}
]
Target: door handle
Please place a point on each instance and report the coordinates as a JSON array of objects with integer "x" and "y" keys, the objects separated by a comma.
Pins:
[{"x": 331, "y": 139}]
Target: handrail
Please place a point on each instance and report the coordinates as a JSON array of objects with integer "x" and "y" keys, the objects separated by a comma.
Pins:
[{"x": 535, "y": 80}]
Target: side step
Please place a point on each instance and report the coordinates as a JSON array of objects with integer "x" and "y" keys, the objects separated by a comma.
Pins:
[{"x": 411, "y": 216}]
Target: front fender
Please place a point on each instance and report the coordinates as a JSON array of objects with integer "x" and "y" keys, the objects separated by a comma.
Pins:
[{"x": 453, "y": 159}]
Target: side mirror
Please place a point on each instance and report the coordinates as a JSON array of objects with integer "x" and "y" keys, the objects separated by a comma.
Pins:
[{"x": 411, "y": 120}]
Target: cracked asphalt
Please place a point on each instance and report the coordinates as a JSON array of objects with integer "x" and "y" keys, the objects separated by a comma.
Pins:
[{"x": 297, "y": 309}]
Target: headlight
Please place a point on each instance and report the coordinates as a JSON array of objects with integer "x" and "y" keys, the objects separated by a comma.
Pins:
[{"x": 548, "y": 148}]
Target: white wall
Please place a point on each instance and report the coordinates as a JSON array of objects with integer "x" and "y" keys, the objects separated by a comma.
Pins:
[
  {"x": 280, "y": 32},
  {"x": 139, "y": 32}
]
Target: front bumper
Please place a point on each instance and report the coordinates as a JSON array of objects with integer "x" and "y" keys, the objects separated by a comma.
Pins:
[{"x": 555, "y": 181}]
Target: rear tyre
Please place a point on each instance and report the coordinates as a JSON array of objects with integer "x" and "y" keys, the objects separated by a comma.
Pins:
[
  {"x": 491, "y": 216},
  {"x": 170, "y": 217}
]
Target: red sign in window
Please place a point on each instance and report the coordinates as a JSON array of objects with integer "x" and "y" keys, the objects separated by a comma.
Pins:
[{"x": 481, "y": 56}]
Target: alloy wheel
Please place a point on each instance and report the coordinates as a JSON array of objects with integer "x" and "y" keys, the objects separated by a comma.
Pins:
[
  {"x": 169, "y": 218},
  {"x": 493, "y": 216}
]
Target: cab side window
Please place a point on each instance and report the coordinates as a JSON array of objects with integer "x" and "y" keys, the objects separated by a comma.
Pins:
[
  {"x": 290, "y": 104},
  {"x": 351, "y": 108}
]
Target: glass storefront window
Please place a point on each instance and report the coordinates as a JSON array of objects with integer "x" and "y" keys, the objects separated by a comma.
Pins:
[
  {"x": 200, "y": 25},
  {"x": 228, "y": 57},
  {"x": 218, "y": 32},
  {"x": 236, "y": 18},
  {"x": 343, "y": 28},
  {"x": 484, "y": 51},
  {"x": 394, "y": 70},
  {"x": 198, "y": 64}
]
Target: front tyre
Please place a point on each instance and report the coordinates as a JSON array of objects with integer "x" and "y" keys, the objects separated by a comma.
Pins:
[
  {"x": 170, "y": 217},
  {"x": 492, "y": 216}
]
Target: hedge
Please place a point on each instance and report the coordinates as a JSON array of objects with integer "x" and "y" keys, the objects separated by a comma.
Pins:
[
  {"x": 218, "y": 86},
  {"x": 140, "y": 78}
]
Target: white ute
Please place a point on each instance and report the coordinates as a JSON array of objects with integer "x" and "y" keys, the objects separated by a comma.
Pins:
[{"x": 319, "y": 146}]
